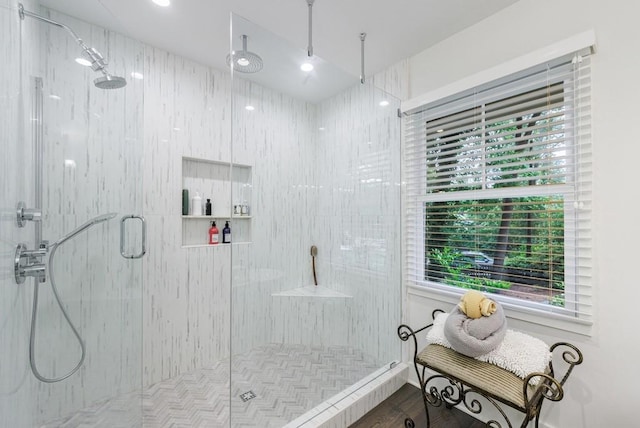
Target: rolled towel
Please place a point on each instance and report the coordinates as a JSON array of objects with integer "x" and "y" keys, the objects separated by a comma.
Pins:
[
  {"x": 475, "y": 337},
  {"x": 518, "y": 352},
  {"x": 475, "y": 304}
]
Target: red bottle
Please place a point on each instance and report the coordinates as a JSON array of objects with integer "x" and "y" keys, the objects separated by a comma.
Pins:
[{"x": 213, "y": 234}]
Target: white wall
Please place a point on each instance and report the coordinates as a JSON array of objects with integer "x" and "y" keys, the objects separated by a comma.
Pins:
[{"x": 601, "y": 392}]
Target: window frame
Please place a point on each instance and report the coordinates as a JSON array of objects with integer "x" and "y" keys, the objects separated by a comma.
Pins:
[{"x": 562, "y": 318}]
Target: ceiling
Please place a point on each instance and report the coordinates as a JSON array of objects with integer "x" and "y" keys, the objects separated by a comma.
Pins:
[{"x": 200, "y": 30}]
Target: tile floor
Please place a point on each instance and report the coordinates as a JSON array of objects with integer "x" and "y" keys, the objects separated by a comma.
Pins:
[{"x": 287, "y": 380}]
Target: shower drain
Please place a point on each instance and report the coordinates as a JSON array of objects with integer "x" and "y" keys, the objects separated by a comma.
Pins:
[{"x": 246, "y": 396}]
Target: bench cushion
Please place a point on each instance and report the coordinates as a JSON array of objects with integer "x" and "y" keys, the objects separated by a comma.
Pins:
[{"x": 497, "y": 382}]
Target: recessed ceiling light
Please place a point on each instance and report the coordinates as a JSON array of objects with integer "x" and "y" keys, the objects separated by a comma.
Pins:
[
  {"x": 307, "y": 67},
  {"x": 384, "y": 103},
  {"x": 137, "y": 75},
  {"x": 83, "y": 61},
  {"x": 243, "y": 62},
  {"x": 250, "y": 108},
  {"x": 69, "y": 163},
  {"x": 55, "y": 97},
  {"x": 163, "y": 3},
  {"x": 321, "y": 128}
]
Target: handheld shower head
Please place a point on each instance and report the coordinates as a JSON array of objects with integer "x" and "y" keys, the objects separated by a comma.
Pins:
[{"x": 84, "y": 226}]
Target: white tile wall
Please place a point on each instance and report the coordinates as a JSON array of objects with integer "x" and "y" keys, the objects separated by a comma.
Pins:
[
  {"x": 186, "y": 290},
  {"x": 328, "y": 188},
  {"x": 93, "y": 159},
  {"x": 92, "y": 155},
  {"x": 16, "y": 388}
]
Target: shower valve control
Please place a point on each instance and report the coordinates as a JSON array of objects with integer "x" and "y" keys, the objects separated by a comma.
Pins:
[
  {"x": 24, "y": 214},
  {"x": 29, "y": 262}
]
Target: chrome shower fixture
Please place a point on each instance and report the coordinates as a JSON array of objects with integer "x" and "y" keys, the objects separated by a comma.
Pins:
[
  {"x": 310, "y": 46},
  {"x": 110, "y": 82},
  {"x": 95, "y": 58},
  {"x": 245, "y": 61},
  {"x": 362, "y": 37},
  {"x": 30, "y": 263}
]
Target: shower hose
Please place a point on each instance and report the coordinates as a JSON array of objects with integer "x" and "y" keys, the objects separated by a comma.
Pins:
[{"x": 32, "y": 334}]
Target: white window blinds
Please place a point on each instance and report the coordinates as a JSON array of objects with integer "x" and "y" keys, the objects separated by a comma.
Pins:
[{"x": 498, "y": 189}]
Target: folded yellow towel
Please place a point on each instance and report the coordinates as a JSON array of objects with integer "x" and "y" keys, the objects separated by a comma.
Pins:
[{"x": 474, "y": 304}]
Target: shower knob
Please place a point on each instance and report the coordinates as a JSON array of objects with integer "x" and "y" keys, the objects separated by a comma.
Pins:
[
  {"x": 29, "y": 263},
  {"x": 24, "y": 214}
]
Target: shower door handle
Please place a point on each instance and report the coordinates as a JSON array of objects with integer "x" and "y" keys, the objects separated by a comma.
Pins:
[{"x": 143, "y": 248}]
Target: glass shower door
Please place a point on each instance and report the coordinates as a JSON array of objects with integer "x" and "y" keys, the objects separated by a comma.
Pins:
[{"x": 72, "y": 154}]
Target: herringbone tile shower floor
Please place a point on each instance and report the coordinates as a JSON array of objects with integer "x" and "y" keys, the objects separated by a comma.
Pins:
[{"x": 287, "y": 380}]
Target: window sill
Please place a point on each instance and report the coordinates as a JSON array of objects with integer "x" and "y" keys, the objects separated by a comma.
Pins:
[{"x": 543, "y": 318}]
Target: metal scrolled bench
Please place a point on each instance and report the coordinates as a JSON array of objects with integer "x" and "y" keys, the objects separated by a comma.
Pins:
[{"x": 467, "y": 376}]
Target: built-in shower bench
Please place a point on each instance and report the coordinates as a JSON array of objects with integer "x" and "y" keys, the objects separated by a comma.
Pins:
[{"x": 459, "y": 379}]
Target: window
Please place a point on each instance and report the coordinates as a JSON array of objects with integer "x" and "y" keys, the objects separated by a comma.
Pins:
[{"x": 498, "y": 191}]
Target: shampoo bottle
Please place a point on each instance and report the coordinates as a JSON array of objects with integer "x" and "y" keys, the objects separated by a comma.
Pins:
[
  {"x": 185, "y": 201},
  {"x": 196, "y": 205},
  {"x": 208, "y": 207},
  {"x": 226, "y": 234},
  {"x": 213, "y": 234}
]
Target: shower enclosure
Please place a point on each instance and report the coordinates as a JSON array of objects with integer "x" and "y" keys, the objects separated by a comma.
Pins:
[{"x": 239, "y": 334}]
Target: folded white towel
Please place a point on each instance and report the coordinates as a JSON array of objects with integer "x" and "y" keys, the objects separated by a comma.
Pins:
[{"x": 518, "y": 353}]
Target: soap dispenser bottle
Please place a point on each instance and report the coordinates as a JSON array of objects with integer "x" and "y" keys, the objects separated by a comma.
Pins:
[
  {"x": 213, "y": 234},
  {"x": 226, "y": 234}
]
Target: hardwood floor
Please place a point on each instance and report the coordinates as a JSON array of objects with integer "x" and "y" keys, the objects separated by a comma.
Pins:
[{"x": 407, "y": 403}]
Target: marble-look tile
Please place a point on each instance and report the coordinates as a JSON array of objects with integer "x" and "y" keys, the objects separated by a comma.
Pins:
[
  {"x": 187, "y": 295},
  {"x": 394, "y": 80},
  {"x": 93, "y": 165},
  {"x": 20, "y": 60},
  {"x": 187, "y": 290},
  {"x": 186, "y": 114}
]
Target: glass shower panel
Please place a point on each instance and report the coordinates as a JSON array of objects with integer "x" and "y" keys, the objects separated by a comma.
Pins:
[
  {"x": 90, "y": 143},
  {"x": 16, "y": 160},
  {"x": 358, "y": 197},
  {"x": 323, "y": 153}
]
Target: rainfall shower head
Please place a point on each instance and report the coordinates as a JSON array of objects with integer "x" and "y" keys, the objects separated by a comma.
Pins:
[
  {"x": 110, "y": 82},
  {"x": 245, "y": 61},
  {"x": 98, "y": 63}
]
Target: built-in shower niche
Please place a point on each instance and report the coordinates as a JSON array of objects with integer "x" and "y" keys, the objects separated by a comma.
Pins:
[{"x": 228, "y": 186}]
